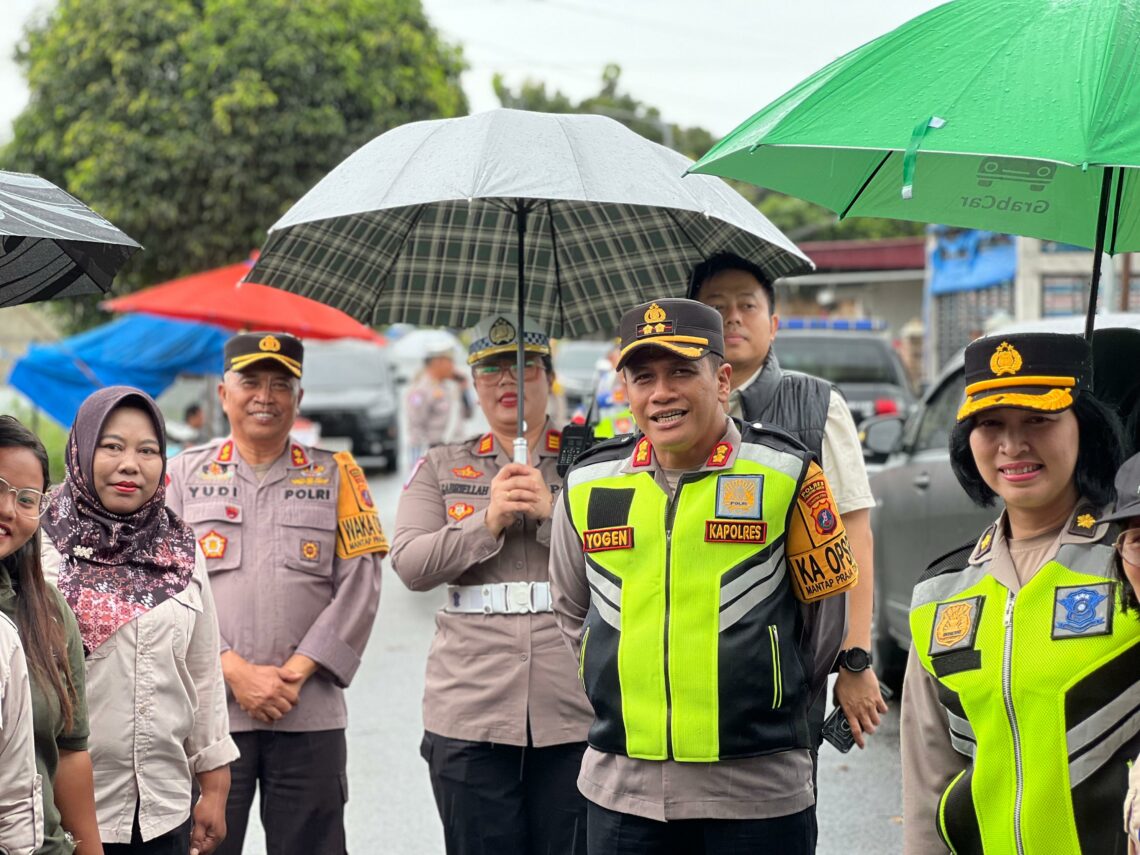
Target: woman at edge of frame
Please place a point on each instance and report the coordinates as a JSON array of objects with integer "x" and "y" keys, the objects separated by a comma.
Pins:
[{"x": 1030, "y": 613}]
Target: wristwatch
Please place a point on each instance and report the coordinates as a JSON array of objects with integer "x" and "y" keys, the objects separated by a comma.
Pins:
[{"x": 855, "y": 659}]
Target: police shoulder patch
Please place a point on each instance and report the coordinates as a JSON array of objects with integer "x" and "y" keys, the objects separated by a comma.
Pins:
[
  {"x": 740, "y": 497},
  {"x": 956, "y": 625},
  {"x": 1080, "y": 611}
]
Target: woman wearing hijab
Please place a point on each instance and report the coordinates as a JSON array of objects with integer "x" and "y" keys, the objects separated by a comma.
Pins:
[
  {"x": 132, "y": 573},
  {"x": 53, "y": 648},
  {"x": 1019, "y": 705}
]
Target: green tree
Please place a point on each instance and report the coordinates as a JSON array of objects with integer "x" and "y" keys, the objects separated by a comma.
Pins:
[
  {"x": 194, "y": 124},
  {"x": 800, "y": 220}
]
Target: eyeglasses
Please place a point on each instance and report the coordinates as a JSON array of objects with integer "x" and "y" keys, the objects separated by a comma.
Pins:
[
  {"x": 1128, "y": 545},
  {"x": 29, "y": 503},
  {"x": 490, "y": 373}
]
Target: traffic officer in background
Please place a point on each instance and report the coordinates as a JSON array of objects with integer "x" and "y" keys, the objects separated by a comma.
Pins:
[
  {"x": 435, "y": 405},
  {"x": 689, "y": 564},
  {"x": 814, "y": 412},
  {"x": 293, "y": 547},
  {"x": 504, "y": 716}
]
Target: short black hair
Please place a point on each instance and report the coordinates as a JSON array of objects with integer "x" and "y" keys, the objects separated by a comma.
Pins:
[
  {"x": 721, "y": 261},
  {"x": 1100, "y": 451},
  {"x": 191, "y": 411}
]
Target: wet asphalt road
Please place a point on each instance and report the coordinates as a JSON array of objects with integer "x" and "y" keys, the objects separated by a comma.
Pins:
[{"x": 390, "y": 808}]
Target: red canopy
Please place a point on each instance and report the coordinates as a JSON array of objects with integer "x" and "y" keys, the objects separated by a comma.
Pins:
[{"x": 219, "y": 297}]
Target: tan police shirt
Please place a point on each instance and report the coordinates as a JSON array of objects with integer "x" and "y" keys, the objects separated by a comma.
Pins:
[
  {"x": 486, "y": 674},
  {"x": 762, "y": 787},
  {"x": 273, "y": 550}
]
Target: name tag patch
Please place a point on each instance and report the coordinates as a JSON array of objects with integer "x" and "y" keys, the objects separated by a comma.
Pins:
[
  {"x": 739, "y": 497},
  {"x": 1082, "y": 610},
  {"x": 955, "y": 625},
  {"x": 718, "y": 531},
  {"x": 605, "y": 539}
]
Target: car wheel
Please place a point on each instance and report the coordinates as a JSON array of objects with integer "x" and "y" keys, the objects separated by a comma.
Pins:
[
  {"x": 391, "y": 460},
  {"x": 890, "y": 659}
]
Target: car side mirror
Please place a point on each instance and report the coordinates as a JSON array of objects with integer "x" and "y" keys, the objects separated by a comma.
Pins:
[{"x": 881, "y": 435}]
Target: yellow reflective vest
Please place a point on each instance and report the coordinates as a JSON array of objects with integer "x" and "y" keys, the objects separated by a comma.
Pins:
[
  {"x": 692, "y": 646},
  {"x": 1041, "y": 690}
]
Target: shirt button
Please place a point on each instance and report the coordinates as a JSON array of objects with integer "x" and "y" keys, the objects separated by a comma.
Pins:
[
  {"x": 518, "y": 565},
  {"x": 523, "y": 657}
]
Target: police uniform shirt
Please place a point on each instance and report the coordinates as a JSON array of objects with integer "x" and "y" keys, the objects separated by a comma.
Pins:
[
  {"x": 929, "y": 762},
  {"x": 273, "y": 553},
  {"x": 487, "y": 675},
  {"x": 763, "y": 787},
  {"x": 433, "y": 410}
]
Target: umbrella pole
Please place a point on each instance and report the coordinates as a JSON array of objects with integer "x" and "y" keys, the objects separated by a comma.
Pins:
[
  {"x": 1098, "y": 250},
  {"x": 521, "y": 454}
]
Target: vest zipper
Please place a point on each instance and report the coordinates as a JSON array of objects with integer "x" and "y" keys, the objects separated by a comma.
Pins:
[
  {"x": 1007, "y": 694},
  {"x": 670, "y": 514}
]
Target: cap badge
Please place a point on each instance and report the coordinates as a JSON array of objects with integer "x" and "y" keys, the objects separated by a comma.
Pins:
[
  {"x": 501, "y": 332},
  {"x": 269, "y": 344},
  {"x": 655, "y": 321},
  {"x": 1006, "y": 360}
]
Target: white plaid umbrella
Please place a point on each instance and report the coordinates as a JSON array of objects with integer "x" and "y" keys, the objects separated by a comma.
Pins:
[{"x": 570, "y": 219}]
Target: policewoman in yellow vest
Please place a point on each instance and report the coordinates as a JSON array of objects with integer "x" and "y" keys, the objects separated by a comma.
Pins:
[
  {"x": 687, "y": 566},
  {"x": 1019, "y": 711}
]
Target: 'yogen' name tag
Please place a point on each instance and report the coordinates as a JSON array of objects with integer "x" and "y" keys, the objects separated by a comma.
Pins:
[{"x": 603, "y": 539}]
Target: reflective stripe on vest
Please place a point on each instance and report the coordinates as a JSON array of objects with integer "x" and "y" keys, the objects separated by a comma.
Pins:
[
  {"x": 679, "y": 609},
  {"x": 1051, "y": 696}
]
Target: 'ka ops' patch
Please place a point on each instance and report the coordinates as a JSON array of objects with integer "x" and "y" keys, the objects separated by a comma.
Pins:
[{"x": 820, "y": 561}]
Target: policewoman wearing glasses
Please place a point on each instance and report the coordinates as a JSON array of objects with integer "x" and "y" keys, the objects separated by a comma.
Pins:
[
  {"x": 505, "y": 718},
  {"x": 1018, "y": 712},
  {"x": 53, "y": 647}
]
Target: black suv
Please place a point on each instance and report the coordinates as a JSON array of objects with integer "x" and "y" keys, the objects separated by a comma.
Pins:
[{"x": 351, "y": 394}]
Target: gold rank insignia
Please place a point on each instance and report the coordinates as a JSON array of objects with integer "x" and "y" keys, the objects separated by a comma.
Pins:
[
  {"x": 955, "y": 625},
  {"x": 720, "y": 454},
  {"x": 269, "y": 344},
  {"x": 297, "y": 455},
  {"x": 226, "y": 452},
  {"x": 486, "y": 445},
  {"x": 1006, "y": 360},
  {"x": 213, "y": 544},
  {"x": 641, "y": 452},
  {"x": 553, "y": 440},
  {"x": 656, "y": 322},
  {"x": 1086, "y": 520}
]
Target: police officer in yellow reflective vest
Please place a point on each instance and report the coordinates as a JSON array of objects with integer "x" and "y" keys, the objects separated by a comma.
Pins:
[
  {"x": 1021, "y": 705},
  {"x": 687, "y": 566}
]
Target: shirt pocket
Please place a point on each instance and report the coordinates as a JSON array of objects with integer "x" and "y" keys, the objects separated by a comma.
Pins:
[
  {"x": 217, "y": 527},
  {"x": 185, "y": 608},
  {"x": 308, "y": 538}
]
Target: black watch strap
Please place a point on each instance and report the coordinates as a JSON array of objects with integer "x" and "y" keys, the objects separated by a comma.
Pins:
[{"x": 855, "y": 659}]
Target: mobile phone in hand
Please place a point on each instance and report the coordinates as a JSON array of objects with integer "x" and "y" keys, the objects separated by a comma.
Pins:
[{"x": 837, "y": 730}]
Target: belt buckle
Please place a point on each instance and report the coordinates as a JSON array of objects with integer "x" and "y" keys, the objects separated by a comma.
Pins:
[{"x": 520, "y": 597}]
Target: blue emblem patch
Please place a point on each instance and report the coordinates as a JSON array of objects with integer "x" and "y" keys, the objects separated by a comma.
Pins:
[{"x": 1082, "y": 610}]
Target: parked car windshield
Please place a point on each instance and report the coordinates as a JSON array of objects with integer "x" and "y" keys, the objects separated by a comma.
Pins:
[{"x": 855, "y": 360}]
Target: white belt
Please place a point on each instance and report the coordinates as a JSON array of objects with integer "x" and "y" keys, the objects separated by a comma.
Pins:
[{"x": 499, "y": 598}]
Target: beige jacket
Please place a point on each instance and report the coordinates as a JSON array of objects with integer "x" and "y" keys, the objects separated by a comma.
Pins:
[{"x": 21, "y": 814}]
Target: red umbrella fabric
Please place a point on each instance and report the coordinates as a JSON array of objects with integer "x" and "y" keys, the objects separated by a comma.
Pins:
[{"x": 219, "y": 297}]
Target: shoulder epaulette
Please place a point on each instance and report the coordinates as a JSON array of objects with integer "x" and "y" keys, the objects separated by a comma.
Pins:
[{"x": 755, "y": 431}]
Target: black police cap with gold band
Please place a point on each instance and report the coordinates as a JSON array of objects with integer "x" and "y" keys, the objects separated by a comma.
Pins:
[
  {"x": 495, "y": 335},
  {"x": 684, "y": 327},
  {"x": 1030, "y": 371},
  {"x": 247, "y": 349}
]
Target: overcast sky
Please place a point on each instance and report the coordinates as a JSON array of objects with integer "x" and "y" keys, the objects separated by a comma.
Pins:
[{"x": 710, "y": 63}]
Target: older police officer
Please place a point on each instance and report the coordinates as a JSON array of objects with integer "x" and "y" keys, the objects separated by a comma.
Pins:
[
  {"x": 688, "y": 564},
  {"x": 504, "y": 717},
  {"x": 293, "y": 546}
]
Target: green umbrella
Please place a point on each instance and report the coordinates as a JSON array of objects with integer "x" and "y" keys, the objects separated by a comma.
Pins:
[{"x": 1018, "y": 116}]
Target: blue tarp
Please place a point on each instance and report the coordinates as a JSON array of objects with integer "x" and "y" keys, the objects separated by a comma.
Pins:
[
  {"x": 968, "y": 260},
  {"x": 136, "y": 350}
]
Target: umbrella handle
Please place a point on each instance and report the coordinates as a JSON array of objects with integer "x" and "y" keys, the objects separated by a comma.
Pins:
[{"x": 521, "y": 455}]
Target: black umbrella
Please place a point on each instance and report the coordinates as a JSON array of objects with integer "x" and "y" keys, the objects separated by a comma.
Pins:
[{"x": 52, "y": 245}]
